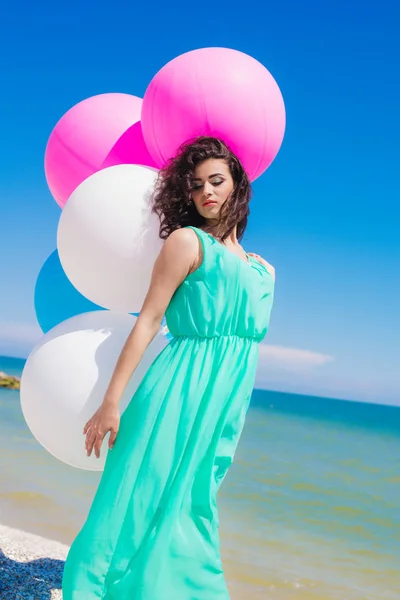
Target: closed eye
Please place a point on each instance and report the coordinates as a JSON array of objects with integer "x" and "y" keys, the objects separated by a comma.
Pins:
[{"x": 197, "y": 186}]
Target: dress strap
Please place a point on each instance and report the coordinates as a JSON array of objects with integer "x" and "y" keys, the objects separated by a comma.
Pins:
[
  {"x": 203, "y": 238},
  {"x": 202, "y": 235}
]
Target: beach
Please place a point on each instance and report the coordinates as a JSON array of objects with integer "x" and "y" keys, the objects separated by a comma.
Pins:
[
  {"x": 30, "y": 566},
  {"x": 310, "y": 509}
]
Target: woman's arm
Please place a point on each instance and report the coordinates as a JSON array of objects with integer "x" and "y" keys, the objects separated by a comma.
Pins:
[{"x": 176, "y": 259}]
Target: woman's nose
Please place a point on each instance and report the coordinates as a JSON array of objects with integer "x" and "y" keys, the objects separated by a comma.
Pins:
[{"x": 207, "y": 189}]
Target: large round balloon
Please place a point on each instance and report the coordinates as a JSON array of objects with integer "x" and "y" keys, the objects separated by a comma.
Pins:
[
  {"x": 66, "y": 376},
  {"x": 217, "y": 92},
  {"x": 98, "y": 132},
  {"x": 108, "y": 238},
  {"x": 56, "y": 299}
]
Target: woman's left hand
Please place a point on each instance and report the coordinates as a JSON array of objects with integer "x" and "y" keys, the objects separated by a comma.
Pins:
[{"x": 266, "y": 264}]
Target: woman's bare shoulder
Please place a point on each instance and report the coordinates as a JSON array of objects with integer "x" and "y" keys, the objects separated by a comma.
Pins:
[{"x": 183, "y": 241}]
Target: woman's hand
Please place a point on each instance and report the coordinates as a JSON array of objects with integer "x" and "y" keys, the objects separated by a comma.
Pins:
[
  {"x": 266, "y": 264},
  {"x": 105, "y": 419}
]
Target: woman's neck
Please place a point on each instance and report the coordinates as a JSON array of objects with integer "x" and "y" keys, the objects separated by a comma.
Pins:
[{"x": 231, "y": 240}]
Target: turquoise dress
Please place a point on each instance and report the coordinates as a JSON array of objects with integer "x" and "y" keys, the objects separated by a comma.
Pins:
[{"x": 152, "y": 530}]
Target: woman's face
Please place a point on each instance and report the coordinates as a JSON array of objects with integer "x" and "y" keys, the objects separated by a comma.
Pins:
[{"x": 211, "y": 185}]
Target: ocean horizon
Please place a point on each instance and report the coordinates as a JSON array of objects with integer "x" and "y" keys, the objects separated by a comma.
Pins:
[{"x": 310, "y": 509}]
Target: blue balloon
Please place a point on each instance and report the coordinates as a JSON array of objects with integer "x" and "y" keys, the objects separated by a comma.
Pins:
[
  {"x": 56, "y": 299},
  {"x": 168, "y": 334}
]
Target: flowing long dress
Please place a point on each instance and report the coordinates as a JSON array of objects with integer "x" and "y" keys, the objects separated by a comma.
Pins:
[{"x": 152, "y": 530}]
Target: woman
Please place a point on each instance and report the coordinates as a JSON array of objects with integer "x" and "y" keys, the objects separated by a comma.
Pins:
[{"x": 152, "y": 531}]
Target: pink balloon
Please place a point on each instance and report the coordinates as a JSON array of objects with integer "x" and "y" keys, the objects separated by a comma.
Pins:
[
  {"x": 218, "y": 92},
  {"x": 98, "y": 132}
]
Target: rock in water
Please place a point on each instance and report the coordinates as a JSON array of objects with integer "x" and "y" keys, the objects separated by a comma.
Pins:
[{"x": 9, "y": 381}]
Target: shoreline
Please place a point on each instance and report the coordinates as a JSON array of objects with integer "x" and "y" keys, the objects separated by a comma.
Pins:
[{"x": 30, "y": 565}]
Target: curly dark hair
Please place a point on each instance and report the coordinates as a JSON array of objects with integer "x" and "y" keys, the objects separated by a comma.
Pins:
[{"x": 172, "y": 194}]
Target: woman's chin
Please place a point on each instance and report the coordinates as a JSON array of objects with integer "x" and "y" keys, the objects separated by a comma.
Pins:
[{"x": 211, "y": 210}]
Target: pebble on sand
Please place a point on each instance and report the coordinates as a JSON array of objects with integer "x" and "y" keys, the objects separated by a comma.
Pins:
[{"x": 31, "y": 567}]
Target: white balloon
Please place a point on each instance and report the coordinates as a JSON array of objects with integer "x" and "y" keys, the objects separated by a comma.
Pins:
[
  {"x": 66, "y": 376},
  {"x": 108, "y": 238}
]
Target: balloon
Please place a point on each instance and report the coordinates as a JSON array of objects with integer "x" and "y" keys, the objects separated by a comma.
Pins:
[
  {"x": 66, "y": 376},
  {"x": 56, "y": 299},
  {"x": 98, "y": 132},
  {"x": 216, "y": 92},
  {"x": 108, "y": 239},
  {"x": 129, "y": 149}
]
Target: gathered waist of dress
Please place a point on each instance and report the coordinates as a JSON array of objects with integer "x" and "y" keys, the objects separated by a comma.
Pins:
[{"x": 195, "y": 336}]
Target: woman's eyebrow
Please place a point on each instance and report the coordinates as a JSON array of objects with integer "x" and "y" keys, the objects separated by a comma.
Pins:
[{"x": 209, "y": 177}]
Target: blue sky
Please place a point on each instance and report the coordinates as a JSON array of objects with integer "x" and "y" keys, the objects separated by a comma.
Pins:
[{"x": 326, "y": 213}]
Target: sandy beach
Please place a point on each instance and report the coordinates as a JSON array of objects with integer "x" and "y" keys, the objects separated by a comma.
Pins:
[{"x": 30, "y": 566}]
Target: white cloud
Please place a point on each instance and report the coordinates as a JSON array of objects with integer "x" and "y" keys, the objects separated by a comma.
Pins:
[
  {"x": 299, "y": 371},
  {"x": 18, "y": 339},
  {"x": 284, "y": 368},
  {"x": 290, "y": 359}
]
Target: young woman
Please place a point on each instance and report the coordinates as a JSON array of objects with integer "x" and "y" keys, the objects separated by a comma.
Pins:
[{"x": 152, "y": 531}]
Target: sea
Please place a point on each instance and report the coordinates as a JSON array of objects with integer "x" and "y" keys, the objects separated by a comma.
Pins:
[{"x": 310, "y": 509}]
